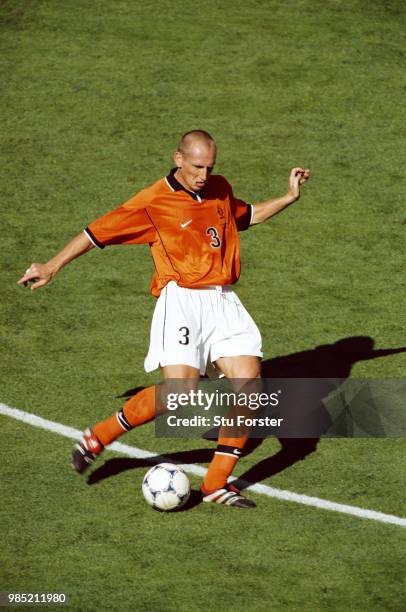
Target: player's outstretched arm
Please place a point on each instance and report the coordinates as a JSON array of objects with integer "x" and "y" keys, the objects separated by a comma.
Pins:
[
  {"x": 41, "y": 274},
  {"x": 265, "y": 210}
]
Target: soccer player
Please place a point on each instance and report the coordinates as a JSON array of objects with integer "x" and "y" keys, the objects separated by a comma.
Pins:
[{"x": 191, "y": 221}]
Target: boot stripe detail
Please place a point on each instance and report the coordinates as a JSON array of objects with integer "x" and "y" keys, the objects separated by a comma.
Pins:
[
  {"x": 226, "y": 498},
  {"x": 213, "y": 496},
  {"x": 222, "y": 496}
]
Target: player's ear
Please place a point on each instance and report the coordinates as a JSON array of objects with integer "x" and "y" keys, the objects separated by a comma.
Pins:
[{"x": 178, "y": 158}]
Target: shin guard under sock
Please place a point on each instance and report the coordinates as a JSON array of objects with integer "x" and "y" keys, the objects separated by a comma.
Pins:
[{"x": 137, "y": 410}]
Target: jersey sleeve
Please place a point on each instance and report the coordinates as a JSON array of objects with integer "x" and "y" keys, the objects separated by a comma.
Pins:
[
  {"x": 241, "y": 211},
  {"x": 127, "y": 224}
]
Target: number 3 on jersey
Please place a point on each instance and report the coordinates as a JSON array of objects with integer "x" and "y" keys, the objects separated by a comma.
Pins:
[{"x": 214, "y": 235}]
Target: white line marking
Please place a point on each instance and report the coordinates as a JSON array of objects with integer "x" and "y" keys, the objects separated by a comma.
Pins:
[{"x": 197, "y": 470}]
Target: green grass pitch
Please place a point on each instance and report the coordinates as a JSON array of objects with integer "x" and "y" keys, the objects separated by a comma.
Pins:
[{"x": 93, "y": 98}]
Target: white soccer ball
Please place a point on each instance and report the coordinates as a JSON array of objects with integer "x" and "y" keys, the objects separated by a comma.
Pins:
[{"x": 166, "y": 486}]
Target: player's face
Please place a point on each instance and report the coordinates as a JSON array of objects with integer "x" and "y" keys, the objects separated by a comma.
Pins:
[{"x": 195, "y": 166}]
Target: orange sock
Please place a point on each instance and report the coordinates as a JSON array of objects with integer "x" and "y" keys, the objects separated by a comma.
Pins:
[
  {"x": 108, "y": 430},
  {"x": 140, "y": 408},
  {"x": 225, "y": 457},
  {"x": 137, "y": 410}
]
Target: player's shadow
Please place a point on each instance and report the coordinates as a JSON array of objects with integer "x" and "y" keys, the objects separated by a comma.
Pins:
[
  {"x": 333, "y": 361},
  {"x": 329, "y": 361}
]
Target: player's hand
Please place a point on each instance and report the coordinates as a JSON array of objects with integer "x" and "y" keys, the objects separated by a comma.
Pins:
[
  {"x": 297, "y": 177},
  {"x": 38, "y": 274}
]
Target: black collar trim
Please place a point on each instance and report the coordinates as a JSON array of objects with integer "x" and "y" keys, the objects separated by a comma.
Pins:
[{"x": 176, "y": 186}]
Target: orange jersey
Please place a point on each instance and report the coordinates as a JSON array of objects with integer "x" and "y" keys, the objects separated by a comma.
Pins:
[{"x": 193, "y": 236}]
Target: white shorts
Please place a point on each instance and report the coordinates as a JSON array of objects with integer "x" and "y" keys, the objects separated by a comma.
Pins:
[{"x": 192, "y": 326}]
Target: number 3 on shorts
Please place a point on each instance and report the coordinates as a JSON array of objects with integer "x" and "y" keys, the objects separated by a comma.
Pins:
[{"x": 185, "y": 335}]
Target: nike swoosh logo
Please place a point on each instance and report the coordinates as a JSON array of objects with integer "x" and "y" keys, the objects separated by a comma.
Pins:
[{"x": 185, "y": 224}]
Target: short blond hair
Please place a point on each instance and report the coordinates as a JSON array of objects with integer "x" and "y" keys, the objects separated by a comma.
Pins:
[{"x": 195, "y": 137}]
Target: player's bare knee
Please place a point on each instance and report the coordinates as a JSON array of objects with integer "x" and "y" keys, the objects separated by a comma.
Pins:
[{"x": 241, "y": 367}]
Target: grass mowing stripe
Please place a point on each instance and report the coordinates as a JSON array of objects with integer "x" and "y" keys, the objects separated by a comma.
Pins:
[{"x": 134, "y": 452}]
